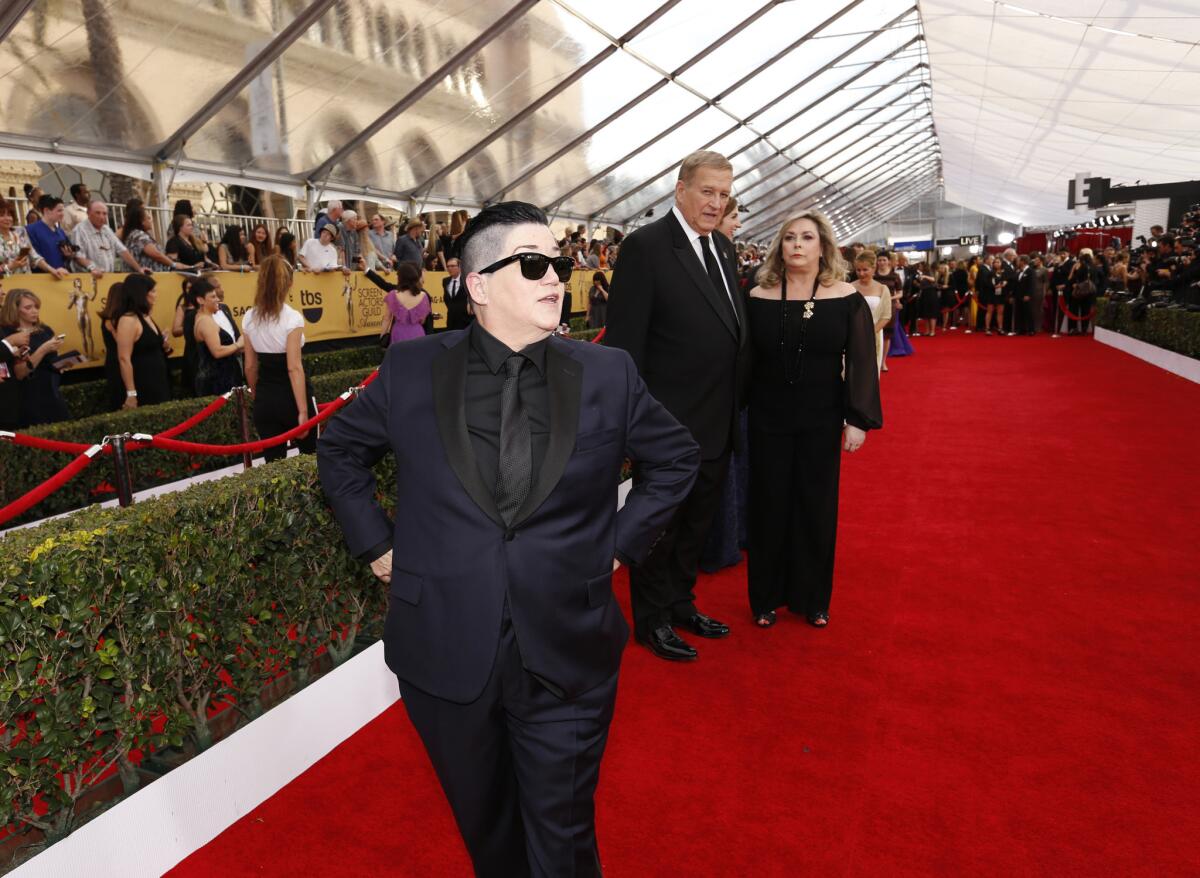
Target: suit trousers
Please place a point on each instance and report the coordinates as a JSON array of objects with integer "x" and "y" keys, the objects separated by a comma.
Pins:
[
  {"x": 519, "y": 766},
  {"x": 661, "y": 588},
  {"x": 1023, "y": 316}
]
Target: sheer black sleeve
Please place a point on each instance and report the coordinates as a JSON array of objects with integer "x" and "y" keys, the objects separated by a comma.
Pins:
[{"x": 863, "y": 409}]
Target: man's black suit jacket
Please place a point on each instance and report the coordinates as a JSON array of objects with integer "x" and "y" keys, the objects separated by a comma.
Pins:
[
  {"x": 985, "y": 281},
  {"x": 454, "y": 561},
  {"x": 663, "y": 310},
  {"x": 1009, "y": 277},
  {"x": 456, "y": 308},
  {"x": 1023, "y": 288}
]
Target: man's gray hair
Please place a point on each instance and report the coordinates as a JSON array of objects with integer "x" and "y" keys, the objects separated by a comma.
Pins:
[
  {"x": 704, "y": 158},
  {"x": 334, "y": 205}
]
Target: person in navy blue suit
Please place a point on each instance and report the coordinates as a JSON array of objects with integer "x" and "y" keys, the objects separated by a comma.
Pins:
[{"x": 502, "y": 627}]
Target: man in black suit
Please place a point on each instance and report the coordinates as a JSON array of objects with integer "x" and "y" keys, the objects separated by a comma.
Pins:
[
  {"x": 12, "y": 349},
  {"x": 1008, "y": 280},
  {"x": 454, "y": 294},
  {"x": 674, "y": 306},
  {"x": 1023, "y": 298},
  {"x": 502, "y": 627}
]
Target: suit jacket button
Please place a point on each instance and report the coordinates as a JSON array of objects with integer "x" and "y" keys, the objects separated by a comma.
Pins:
[{"x": 509, "y": 536}]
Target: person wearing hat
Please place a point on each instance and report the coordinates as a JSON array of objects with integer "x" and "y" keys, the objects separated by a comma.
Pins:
[
  {"x": 408, "y": 248},
  {"x": 319, "y": 253},
  {"x": 383, "y": 240}
]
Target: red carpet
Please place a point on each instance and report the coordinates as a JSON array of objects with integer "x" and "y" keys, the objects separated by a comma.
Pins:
[{"x": 1008, "y": 685}]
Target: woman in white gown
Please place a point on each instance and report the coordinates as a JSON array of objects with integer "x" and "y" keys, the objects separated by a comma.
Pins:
[{"x": 877, "y": 295}]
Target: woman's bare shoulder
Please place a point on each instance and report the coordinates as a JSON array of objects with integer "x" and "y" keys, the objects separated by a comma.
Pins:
[
  {"x": 838, "y": 290},
  {"x": 761, "y": 292}
]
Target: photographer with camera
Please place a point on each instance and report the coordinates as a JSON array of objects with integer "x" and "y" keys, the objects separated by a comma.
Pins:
[{"x": 52, "y": 249}]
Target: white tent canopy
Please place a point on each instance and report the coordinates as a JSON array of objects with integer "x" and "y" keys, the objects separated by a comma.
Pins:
[
  {"x": 582, "y": 106},
  {"x": 1028, "y": 95}
]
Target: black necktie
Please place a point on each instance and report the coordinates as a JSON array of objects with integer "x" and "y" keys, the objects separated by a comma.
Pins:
[
  {"x": 714, "y": 275},
  {"x": 453, "y": 287},
  {"x": 516, "y": 452}
]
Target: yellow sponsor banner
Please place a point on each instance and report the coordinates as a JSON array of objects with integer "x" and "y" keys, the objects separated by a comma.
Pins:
[{"x": 334, "y": 306}]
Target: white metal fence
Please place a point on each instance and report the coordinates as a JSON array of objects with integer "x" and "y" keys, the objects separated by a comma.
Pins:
[{"x": 213, "y": 225}]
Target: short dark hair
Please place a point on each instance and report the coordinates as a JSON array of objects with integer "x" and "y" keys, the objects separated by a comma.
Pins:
[
  {"x": 198, "y": 289},
  {"x": 480, "y": 242},
  {"x": 49, "y": 202},
  {"x": 76, "y": 188}
]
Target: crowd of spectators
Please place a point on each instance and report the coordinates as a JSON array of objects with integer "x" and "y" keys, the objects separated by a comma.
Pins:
[{"x": 62, "y": 239}]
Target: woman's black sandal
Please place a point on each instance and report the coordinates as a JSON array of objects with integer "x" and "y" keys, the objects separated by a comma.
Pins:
[
  {"x": 765, "y": 620},
  {"x": 818, "y": 620}
]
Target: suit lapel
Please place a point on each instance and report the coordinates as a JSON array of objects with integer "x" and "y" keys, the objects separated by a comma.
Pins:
[
  {"x": 450, "y": 411},
  {"x": 691, "y": 264},
  {"x": 564, "y": 382},
  {"x": 728, "y": 264}
]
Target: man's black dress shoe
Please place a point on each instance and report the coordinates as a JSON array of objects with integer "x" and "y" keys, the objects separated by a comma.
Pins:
[
  {"x": 704, "y": 626},
  {"x": 666, "y": 644}
]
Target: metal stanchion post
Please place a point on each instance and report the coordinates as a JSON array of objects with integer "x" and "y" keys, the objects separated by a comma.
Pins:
[
  {"x": 121, "y": 475},
  {"x": 239, "y": 394}
]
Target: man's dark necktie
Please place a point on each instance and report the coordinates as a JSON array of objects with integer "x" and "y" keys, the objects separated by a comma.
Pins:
[
  {"x": 453, "y": 287},
  {"x": 714, "y": 275},
  {"x": 516, "y": 449}
]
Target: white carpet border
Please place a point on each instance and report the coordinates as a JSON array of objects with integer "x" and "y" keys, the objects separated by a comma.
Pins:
[
  {"x": 162, "y": 824},
  {"x": 1176, "y": 364}
]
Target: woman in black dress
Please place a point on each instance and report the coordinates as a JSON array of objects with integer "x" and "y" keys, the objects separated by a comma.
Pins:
[
  {"x": 41, "y": 401},
  {"x": 182, "y": 246},
  {"x": 884, "y": 275},
  {"x": 141, "y": 346},
  {"x": 814, "y": 391},
  {"x": 218, "y": 353},
  {"x": 113, "y": 308}
]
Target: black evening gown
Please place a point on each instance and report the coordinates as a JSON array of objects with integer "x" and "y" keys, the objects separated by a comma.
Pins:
[
  {"x": 150, "y": 374},
  {"x": 112, "y": 370},
  {"x": 795, "y": 442}
]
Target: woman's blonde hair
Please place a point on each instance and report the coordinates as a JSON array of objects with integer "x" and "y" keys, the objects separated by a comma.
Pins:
[
  {"x": 10, "y": 310},
  {"x": 833, "y": 266},
  {"x": 274, "y": 281},
  {"x": 865, "y": 256}
]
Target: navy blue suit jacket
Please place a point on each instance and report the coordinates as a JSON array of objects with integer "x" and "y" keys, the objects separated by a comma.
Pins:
[{"x": 453, "y": 559}]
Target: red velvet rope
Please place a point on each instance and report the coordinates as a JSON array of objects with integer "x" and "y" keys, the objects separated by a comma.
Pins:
[
  {"x": 162, "y": 440},
  {"x": 48, "y": 487},
  {"x": 599, "y": 335},
  {"x": 1063, "y": 307},
  {"x": 48, "y": 444},
  {"x": 249, "y": 447},
  {"x": 204, "y": 414}
]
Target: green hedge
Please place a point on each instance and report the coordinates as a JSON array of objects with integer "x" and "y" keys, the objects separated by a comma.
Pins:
[
  {"x": 124, "y": 630},
  {"x": 22, "y": 469},
  {"x": 87, "y": 398},
  {"x": 1177, "y": 331}
]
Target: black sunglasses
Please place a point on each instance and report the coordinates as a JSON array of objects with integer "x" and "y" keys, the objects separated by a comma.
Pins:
[{"x": 534, "y": 265}]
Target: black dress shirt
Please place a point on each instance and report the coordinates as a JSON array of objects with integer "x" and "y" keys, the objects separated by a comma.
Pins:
[{"x": 485, "y": 381}]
